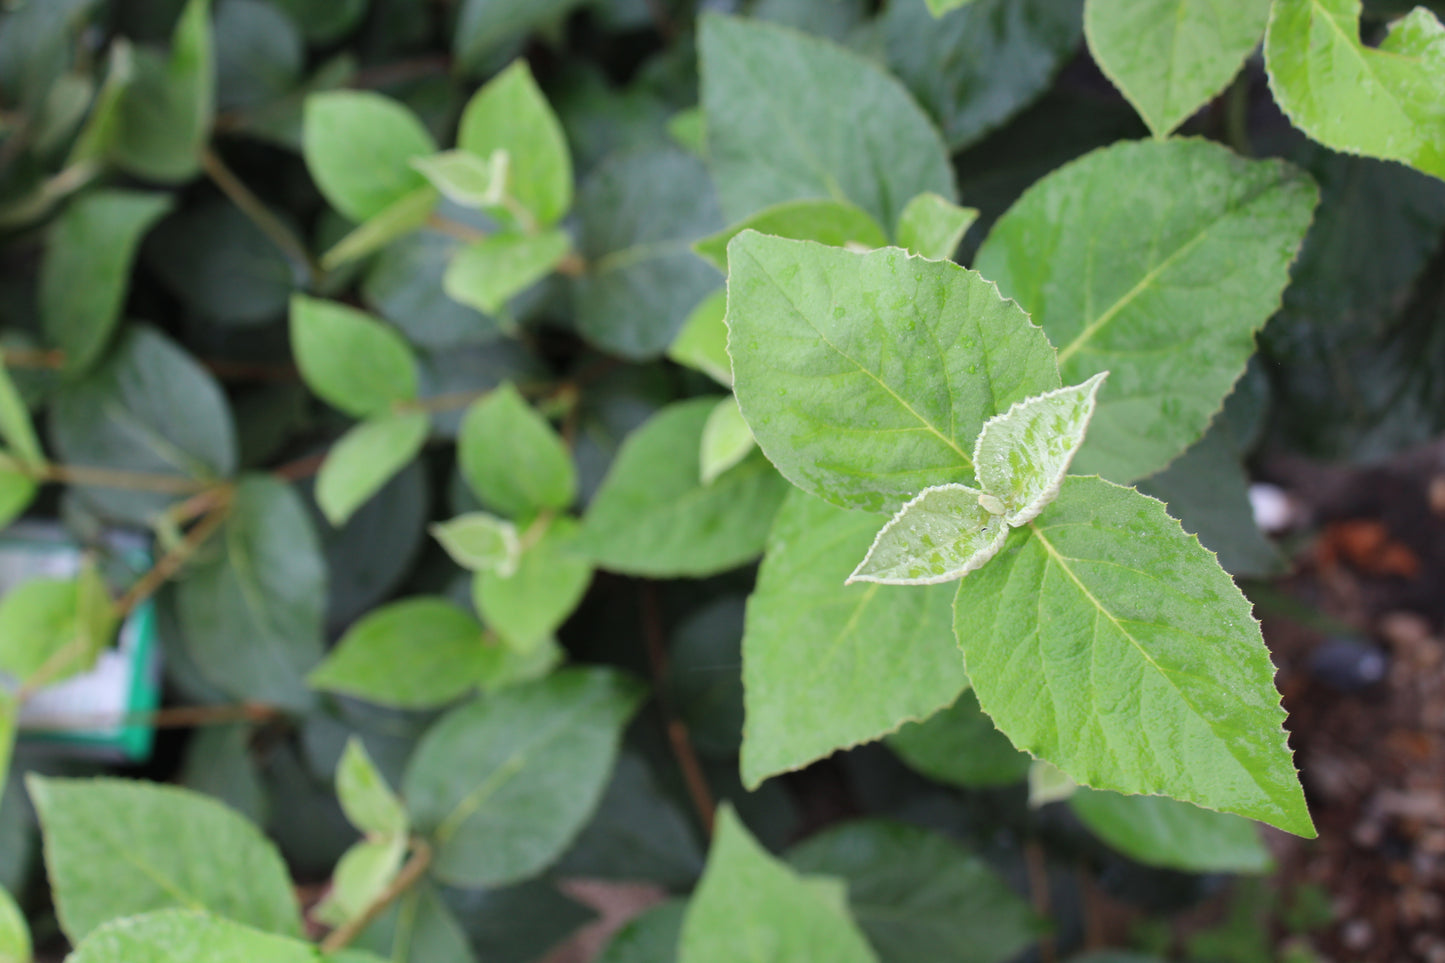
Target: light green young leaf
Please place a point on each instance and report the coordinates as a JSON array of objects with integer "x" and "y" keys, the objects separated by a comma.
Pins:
[
  {"x": 164, "y": 114},
  {"x": 359, "y": 147},
  {"x": 50, "y": 629},
  {"x": 399, "y": 218},
  {"x": 486, "y": 274},
  {"x": 352, "y": 361},
  {"x": 1048, "y": 784},
  {"x": 102, "y": 126},
  {"x": 503, "y": 784},
  {"x": 1171, "y": 57},
  {"x": 512, "y": 459},
  {"x": 654, "y": 516},
  {"x": 511, "y": 114},
  {"x": 1023, "y": 454},
  {"x": 836, "y": 223},
  {"x": 866, "y": 378},
  {"x": 17, "y": 490},
  {"x": 14, "y": 934},
  {"x": 1163, "y": 284},
  {"x": 702, "y": 344},
  {"x": 251, "y": 615},
  {"x": 933, "y": 226},
  {"x": 173, "y": 848},
  {"x": 853, "y": 132},
  {"x": 940, "y": 535},
  {"x": 362, "y": 874},
  {"x": 1105, "y": 578},
  {"x": 187, "y": 936},
  {"x": 526, "y": 605},
  {"x": 940, "y": 7},
  {"x": 1381, "y": 102},
  {"x": 960, "y": 746},
  {"x": 17, "y": 429},
  {"x": 365, "y": 459},
  {"x": 465, "y": 178},
  {"x": 9, "y": 717},
  {"x": 367, "y": 800},
  {"x": 1159, "y": 831},
  {"x": 688, "y": 129},
  {"x": 726, "y": 440},
  {"x": 480, "y": 542},
  {"x": 86, "y": 269},
  {"x": 871, "y": 657},
  {"x": 750, "y": 908},
  {"x": 418, "y": 653},
  {"x": 965, "y": 914}
]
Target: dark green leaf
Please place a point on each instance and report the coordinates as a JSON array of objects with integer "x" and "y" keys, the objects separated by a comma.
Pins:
[
  {"x": 651, "y": 937},
  {"x": 1159, "y": 831},
  {"x": 404, "y": 285},
  {"x": 164, "y": 115},
  {"x": 259, "y": 54},
  {"x": 960, "y": 746}
]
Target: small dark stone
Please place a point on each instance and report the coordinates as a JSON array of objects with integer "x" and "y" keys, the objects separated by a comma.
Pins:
[{"x": 1348, "y": 664}]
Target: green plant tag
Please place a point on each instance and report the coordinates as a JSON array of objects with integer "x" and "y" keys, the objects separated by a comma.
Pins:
[
  {"x": 480, "y": 542},
  {"x": 465, "y": 178},
  {"x": 359, "y": 147},
  {"x": 512, "y": 459},
  {"x": 511, "y": 114},
  {"x": 702, "y": 344},
  {"x": 933, "y": 226},
  {"x": 367, "y": 800},
  {"x": 1379, "y": 101},
  {"x": 726, "y": 440},
  {"x": 527, "y": 604},
  {"x": 418, "y": 653},
  {"x": 866, "y": 378},
  {"x": 1158, "y": 831},
  {"x": 173, "y": 848},
  {"x": 185, "y": 936},
  {"x": 486, "y": 274},
  {"x": 14, "y": 934},
  {"x": 1170, "y": 57},
  {"x": 750, "y": 907},
  {"x": 836, "y": 223},
  {"x": 365, "y": 459},
  {"x": 481, "y": 783},
  {"x": 352, "y": 361}
]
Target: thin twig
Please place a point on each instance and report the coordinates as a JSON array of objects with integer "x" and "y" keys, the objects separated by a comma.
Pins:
[
  {"x": 252, "y": 206},
  {"x": 1038, "y": 872},
  {"x": 421, "y": 855},
  {"x": 109, "y": 478},
  {"x": 677, "y": 734},
  {"x": 171, "y": 563},
  {"x": 33, "y": 358},
  {"x": 300, "y": 468},
  {"x": 403, "y": 71}
]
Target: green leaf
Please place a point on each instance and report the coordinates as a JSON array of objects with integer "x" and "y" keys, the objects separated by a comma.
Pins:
[
  {"x": 52, "y": 629},
  {"x": 486, "y": 274},
  {"x": 486, "y": 26},
  {"x": 512, "y": 459},
  {"x": 367, "y": 800},
  {"x": 17, "y": 491},
  {"x": 351, "y": 361},
  {"x": 86, "y": 270},
  {"x": 163, "y": 117},
  {"x": 252, "y": 614},
  {"x": 418, "y": 653},
  {"x": 654, "y": 516},
  {"x": 359, "y": 147},
  {"x": 836, "y": 223},
  {"x": 942, "y": 534},
  {"x": 750, "y": 908},
  {"x": 480, "y": 542},
  {"x": 650, "y": 937},
  {"x": 260, "y": 54},
  {"x": 511, "y": 114},
  {"x": 362, "y": 874},
  {"x": 324, "y": 21},
  {"x": 933, "y": 226},
  {"x": 872, "y": 657},
  {"x": 98, "y": 133},
  {"x": 1102, "y": 623},
  {"x": 791, "y": 117},
  {"x": 637, "y": 215},
  {"x": 398, "y": 219},
  {"x": 939, "y": 7},
  {"x": 526, "y": 605},
  {"x": 148, "y": 407},
  {"x": 1164, "y": 285},
  {"x": 503, "y": 784},
  {"x": 979, "y": 65},
  {"x": 171, "y": 847},
  {"x": 1171, "y": 57},
  {"x": 465, "y": 178},
  {"x": 726, "y": 440},
  {"x": 16, "y": 428},
  {"x": 866, "y": 378},
  {"x": 185, "y": 936},
  {"x": 365, "y": 459},
  {"x": 960, "y": 746},
  {"x": 404, "y": 285},
  {"x": 1381, "y": 102},
  {"x": 702, "y": 344},
  {"x": 1164, "y": 832},
  {"x": 965, "y": 914},
  {"x": 14, "y": 934},
  {"x": 419, "y": 926}
]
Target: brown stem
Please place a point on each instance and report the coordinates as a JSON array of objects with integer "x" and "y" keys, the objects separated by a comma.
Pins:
[
  {"x": 171, "y": 563},
  {"x": 281, "y": 235},
  {"x": 33, "y": 358},
  {"x": 385, "y": 75},
  {"x": 677, "y": 734},
  {"x": 1038, "y": 873},
  {"x": 250, "y": 371},
  {"x": 300, "y": 468},
  {"x": 421, "y": 854},
  {"x": 178, "y": 717},
  {"x": 113, "y": 478}
]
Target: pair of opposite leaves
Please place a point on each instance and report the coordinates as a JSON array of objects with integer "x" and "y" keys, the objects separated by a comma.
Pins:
[{"x": 1020, "y": 459}]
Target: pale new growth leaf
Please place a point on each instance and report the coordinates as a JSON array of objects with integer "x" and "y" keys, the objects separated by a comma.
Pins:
[
  {"x": 1022, "y": 455},
  {"x": 726, "y": 440},
  {"x": 465, "y": 178},
  {"x": 944, "y": 533},
  {"x": 481, "y": 542}
]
